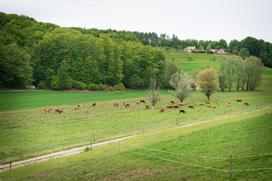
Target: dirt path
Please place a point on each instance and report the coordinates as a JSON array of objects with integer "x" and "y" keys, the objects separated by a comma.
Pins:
[{"x": 81, "y": 149}]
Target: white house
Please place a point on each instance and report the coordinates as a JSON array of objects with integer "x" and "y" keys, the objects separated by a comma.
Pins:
[
  {"x": 190, "y": 49},
  {"x": 221, "y": 51}
]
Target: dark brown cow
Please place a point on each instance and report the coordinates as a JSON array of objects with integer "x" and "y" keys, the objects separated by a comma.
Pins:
[
  {"x": 175, "y": 106},
  {"x": 59, "y": 111},
  {"x": 137, "y": 103},
  {"x": 172, "y": 102},
  {"x": 201, "y": 104},
  {"x": 94, "y": 104},
  {"x": 246, "y": 104},
  {"x": 182, "y": 111},
  {"x": 239, "y": 100},
  {"x": 162, "y": 110},
  {"x": 191, "y": 107},
  {"x": 142, "y": 101},
  {"x": 147, "y": 106},
  {"x": 127, "y": 105},
  {"x": 169, "y": 107}
]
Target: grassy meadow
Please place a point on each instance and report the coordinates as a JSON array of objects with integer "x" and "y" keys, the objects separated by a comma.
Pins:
[{"x": 162, "y": 151}]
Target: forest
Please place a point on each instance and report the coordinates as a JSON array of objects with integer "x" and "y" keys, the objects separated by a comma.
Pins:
[{"x": 50, "y": 56}]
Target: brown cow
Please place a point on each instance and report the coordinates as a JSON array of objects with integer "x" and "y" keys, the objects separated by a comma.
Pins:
[
  {"x": 182, "y": 111},
  {"x": 169, "y": 107},
  {"x": 59, "y": 111},
  {"x": 172, "y": 102},
  {"x": 46, "y": 110},
  {"x": 161, "y": 110},
  {"x": 137, "y": 103},
  {"x": 239, "y": 100},
  {"x": 127, "y": 105},
  {"x": 175, "y": 106},
  {"x": 142, "y": 101},
  {"x": 94, "y": 104},
  {"x": 191, "y": 107},
  {"x": 246, "y": 104},
  {"x": 147, "y": 106},
  {"x": 115, "y": 104}
]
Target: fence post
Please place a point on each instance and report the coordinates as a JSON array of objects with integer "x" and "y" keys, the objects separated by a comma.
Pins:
[
  {"x": 10, "y": 165},
  {"x": 93, "y": 137},
  {"x": 119, "y": 145},
  {"x": 230, "y": 168}
]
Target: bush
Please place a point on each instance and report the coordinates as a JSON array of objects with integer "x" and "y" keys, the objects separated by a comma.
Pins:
[
  {"x": 54, "y": 84},
  {"x": 119, "y": 87},
  {"x": 94, "y": 87},
  {"x": 42, "y": 85},
  {"x": 79, "y": 85}
]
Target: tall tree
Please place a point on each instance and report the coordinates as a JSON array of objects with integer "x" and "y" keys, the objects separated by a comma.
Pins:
[
  {"x": 181, "y": 82},
  {"x": 207, "y": 80}
]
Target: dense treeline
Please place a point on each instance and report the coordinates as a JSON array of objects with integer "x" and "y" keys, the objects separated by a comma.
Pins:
[{"x": 48, "y": 56}]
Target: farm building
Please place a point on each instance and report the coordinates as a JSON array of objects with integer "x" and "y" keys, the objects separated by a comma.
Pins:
[{"x": 190, "y": 49}]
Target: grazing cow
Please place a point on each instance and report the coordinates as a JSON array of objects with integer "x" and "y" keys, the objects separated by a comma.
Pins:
[
  {"x": 209, "y": 106},
  {"x": 77, "y": 107},
  {"x": 182, "y": 111},
  {"x": 213, "y": 107},
  {"x": 147, "y": 106},
  {"x": 161, "y": 110},
  {"x": 142, "y": 101},
  {"x": 191, "y": 107},
  {"x": 115, "y": 104},
  {"x": 137, "y": 103},
  {"x": 169, "y": 107},
  {"x": 94, "y": 104},
  {"x": 239, "y": 100},
  {"x": 246, "y": 104},
  {"x": 59, "y": 111},
  {"x": 172, "y": 102},
  {"x": 127, "y": 105},
  {"x": 46, "y": 110},
  {"x": 175, "y": 106},
  {"x": 201, "y": 104}
]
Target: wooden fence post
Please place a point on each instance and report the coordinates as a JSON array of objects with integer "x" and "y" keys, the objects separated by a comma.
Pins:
[
  {"x": 10, "y": 165},
  {"x": 119, "y": 145}
]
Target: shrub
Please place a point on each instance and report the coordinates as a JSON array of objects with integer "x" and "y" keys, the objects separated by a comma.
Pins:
[
  {"x": 42, "y": 85},
  {"x": 119, "y": 87},
  {"x": 94, "y": 87},
  {"x": 79, "y": 85}
]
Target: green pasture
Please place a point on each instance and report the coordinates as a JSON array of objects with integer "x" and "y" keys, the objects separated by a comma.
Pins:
[{"x": 199, "y": 152}]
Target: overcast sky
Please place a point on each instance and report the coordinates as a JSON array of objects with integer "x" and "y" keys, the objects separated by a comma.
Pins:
[{"x": 198, "y": 19}]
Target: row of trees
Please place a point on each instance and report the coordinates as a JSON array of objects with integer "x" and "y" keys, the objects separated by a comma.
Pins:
[{"x": 243, "y": 74}]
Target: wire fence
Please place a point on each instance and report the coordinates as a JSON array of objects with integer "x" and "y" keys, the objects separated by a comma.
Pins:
[{"x": 229, "y": 169}]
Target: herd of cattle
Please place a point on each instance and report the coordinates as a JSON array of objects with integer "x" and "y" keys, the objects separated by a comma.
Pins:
[{"x": 173, "y": 105}]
